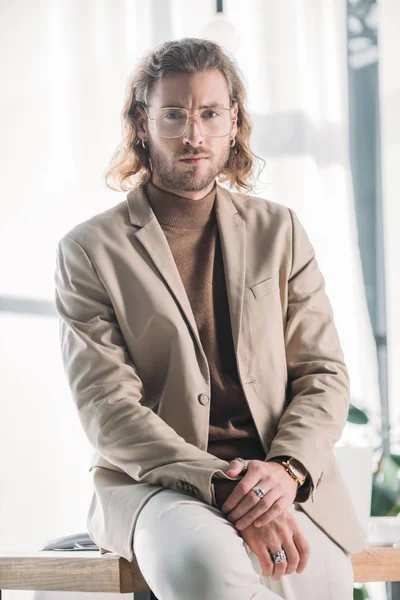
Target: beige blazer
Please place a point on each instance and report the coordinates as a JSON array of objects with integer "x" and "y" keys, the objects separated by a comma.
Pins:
[{"x": 140, "y": 378}]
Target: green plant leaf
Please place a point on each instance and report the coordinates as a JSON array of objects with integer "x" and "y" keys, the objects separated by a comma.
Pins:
[
  {"x": 396, "y": 459},
  {"x": 384, "y": 499},
  {"x": 357, "y": 416},
  {"x": 360, "y": 592},
  {"x": 390, "y": 469},
  {"x": 395, "y": 510}
]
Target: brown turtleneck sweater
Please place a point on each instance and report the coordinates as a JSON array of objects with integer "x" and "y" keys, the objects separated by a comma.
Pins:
[{"x": 191, "y": 229}]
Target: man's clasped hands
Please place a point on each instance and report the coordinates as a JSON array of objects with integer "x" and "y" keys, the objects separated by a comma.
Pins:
[{"x": 266, "y": 524}]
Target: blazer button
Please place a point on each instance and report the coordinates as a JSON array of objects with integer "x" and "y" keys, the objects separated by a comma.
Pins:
[{"x": 204, "y": 399}]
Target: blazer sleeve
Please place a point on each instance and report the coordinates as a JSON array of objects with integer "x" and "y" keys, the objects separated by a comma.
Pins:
[
  {"x": 318, "y": 379},
  {"x": 107, "y": 389}
]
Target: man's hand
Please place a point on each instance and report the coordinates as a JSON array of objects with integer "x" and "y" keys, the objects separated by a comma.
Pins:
[
  {"x": 243, "y": 507},
  {"x": 283, "y": 533}
]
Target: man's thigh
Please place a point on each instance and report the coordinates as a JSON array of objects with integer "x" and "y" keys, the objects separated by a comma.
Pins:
[{"x": 187, "y": 549}]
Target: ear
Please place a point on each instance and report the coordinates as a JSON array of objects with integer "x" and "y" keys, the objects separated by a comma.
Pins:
[{"x": 141, "y": 121}]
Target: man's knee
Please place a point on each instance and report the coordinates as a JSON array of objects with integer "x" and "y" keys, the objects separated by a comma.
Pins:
[
  {"x": 190, "y": 551},
  {"x": 208, "y": 571},
  {"x": 196, "y": 573}
]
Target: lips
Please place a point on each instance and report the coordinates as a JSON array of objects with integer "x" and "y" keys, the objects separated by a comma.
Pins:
[{"x": 193, "y": 160}]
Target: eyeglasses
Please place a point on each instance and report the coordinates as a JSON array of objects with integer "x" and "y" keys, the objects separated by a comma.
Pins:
[{"x": 172, "y": 122}]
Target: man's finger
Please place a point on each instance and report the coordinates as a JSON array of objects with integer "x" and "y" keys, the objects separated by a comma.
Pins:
[
  {"x": 279, "y": 568},
  {"x": 276, "y": 509},
  {"x": 246, "y": 515},
  {"x": 243, "y": 487},
  {"x": 303, "y": 549},
  {"x": 265, "y": 560},
  {"x": 292, "y": 555},
  {"x": 235, "y": 467}
]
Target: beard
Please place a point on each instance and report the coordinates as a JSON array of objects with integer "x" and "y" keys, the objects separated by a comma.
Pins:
[{"x": 194, "y": 178}]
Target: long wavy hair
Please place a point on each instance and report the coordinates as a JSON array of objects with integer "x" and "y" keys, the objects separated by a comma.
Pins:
[{"x": 130, "y": 166}]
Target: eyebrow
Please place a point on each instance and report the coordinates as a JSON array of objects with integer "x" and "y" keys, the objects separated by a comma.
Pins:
[{"x": 213, "y": 105}]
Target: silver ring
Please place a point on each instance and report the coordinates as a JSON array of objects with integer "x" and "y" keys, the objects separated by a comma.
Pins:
[
  {"x": 244, "y": 463},
  {"x": 278, "y": 557},
  {"x": 259, "y": 491}
]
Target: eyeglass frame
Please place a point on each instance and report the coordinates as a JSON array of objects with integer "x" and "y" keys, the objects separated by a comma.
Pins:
[{"x": 143, "y": 105}]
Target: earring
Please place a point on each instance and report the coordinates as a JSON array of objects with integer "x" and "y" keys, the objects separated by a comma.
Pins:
[
  {"x": 234, "y": 142},
  {"x": 144, "y": 144}
]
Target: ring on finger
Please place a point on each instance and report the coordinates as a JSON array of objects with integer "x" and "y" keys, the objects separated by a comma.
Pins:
[
  {"x": 244, "y": 463},
  {"x": 259, "y": 491},
  {"x": 278, "y": 557}
]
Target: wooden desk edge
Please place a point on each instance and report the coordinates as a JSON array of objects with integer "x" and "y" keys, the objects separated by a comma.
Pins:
[{"x": 111, "y": 572}]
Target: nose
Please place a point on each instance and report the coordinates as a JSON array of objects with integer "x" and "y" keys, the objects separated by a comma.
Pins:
[{"x": 192, "y": 133}]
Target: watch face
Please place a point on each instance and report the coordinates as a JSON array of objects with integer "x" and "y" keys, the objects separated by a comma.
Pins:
[
  {"x": 297, "y": 469},
  {"x": 296, "y": 472}
]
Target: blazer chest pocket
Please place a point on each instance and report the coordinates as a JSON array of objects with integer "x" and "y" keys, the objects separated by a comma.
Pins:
[{"x": 265, "y": 287}]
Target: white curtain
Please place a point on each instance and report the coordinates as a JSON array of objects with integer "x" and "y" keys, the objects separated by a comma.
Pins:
[
  {"x": 64, "y": 70},
  {"x": 389, "y": 97}
]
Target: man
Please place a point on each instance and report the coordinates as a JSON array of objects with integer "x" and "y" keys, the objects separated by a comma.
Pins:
[{"x": 201, "y": 351}]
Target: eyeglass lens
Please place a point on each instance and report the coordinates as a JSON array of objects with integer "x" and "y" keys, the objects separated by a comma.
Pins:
[{"x": 214, "y": 123}]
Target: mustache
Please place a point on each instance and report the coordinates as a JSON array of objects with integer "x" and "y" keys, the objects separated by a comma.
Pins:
[{"x": 192, "y": 155}]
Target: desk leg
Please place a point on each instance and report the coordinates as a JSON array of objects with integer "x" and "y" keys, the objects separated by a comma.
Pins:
[{"x": 392, "y": 589}]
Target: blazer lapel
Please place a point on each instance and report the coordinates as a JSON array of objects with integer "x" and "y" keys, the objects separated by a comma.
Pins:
[
  {"x": 232, "y": 235},
  {"x": 153, "y": 239},
  {"x": 232, "y": 232}
]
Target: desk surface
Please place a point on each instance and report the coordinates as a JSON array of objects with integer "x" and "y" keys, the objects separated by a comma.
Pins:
[
  {"x": 83, "y": 571},
  {"x": 89, "y": 571}
]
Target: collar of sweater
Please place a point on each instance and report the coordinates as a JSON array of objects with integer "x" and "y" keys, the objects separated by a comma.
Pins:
[{"x": 180, "y": 212}]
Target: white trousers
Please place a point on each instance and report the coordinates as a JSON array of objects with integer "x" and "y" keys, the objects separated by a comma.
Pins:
[{"x": 188, "y": 550}]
